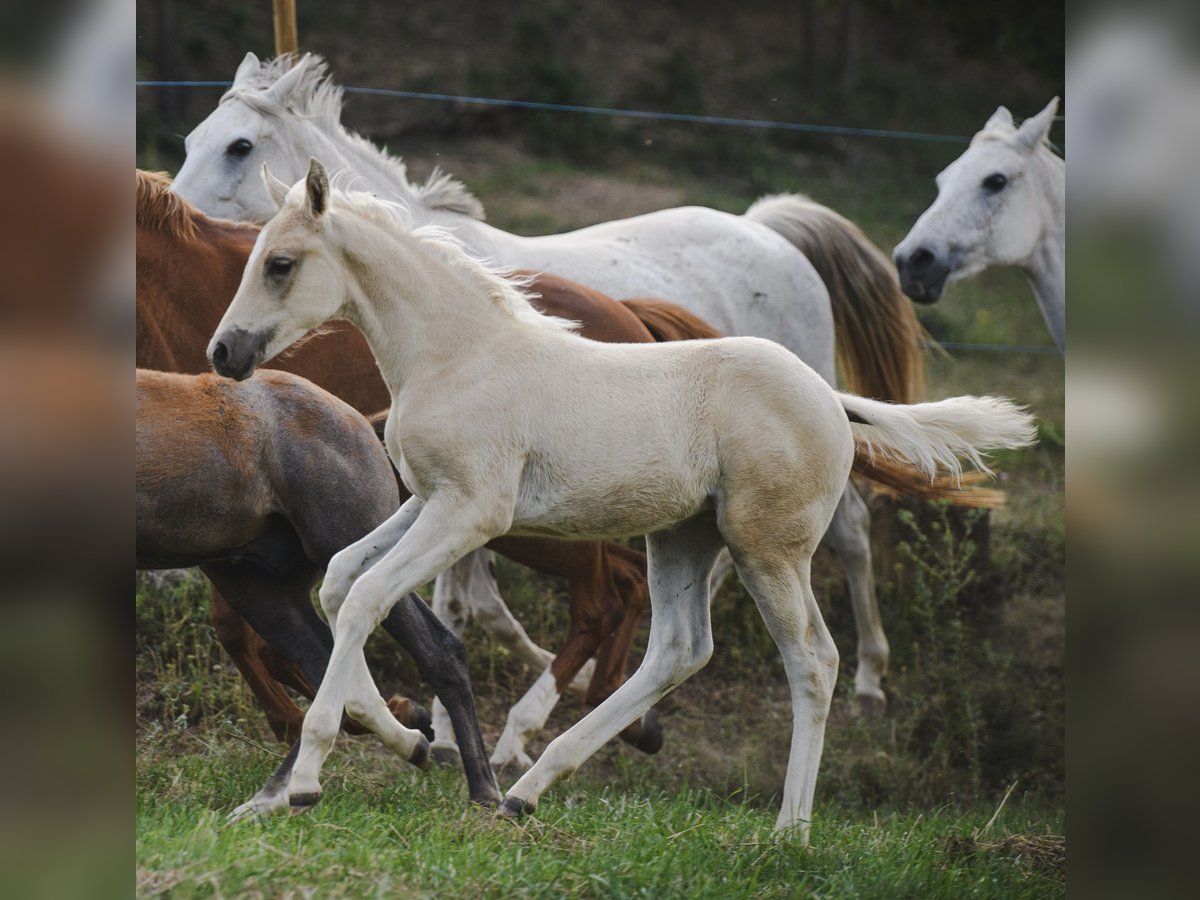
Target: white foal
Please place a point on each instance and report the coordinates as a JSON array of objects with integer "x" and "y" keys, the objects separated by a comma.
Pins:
[
  {"x": 1002, "y": 203},
  {"x": 504, "y": 420}
]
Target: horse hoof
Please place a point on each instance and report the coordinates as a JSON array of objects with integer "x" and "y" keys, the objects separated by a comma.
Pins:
[
  {"x": 872, "y": 706},
  {"x": 302, "y": 803},
  {"x": 420, "y": 756},
  {"x": 515, "y": 807},
  {"x": 490, "y": 799},
  {"x": 651, "y": 739},
  {"x": 412, "y": 715},
  {"x": 446, "y": 756},
  {"x": 511, "y": 770}
]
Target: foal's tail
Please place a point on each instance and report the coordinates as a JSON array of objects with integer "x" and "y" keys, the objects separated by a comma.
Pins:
[
  {"x": 916, "y": 449},
  {"x": 878, "y": 334},
  {"x": 668, "y": 322}
]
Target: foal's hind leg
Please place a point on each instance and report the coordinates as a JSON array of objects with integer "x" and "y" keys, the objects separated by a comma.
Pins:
[
  {"x": 680, "y": 644},
  {"x": 850, "y": 534},
  {"x": 783, "y": 592}
]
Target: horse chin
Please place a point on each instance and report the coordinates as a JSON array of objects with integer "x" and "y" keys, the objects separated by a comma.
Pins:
[{"x": 924, "y": 290}]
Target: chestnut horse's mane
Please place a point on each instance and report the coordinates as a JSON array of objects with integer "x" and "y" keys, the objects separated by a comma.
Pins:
[{"x": 162, "y": 211}]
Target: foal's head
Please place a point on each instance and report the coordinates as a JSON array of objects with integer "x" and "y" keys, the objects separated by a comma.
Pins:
[
  {"x": 993, "y": 206},
  {"x": 293, "y": 282}
]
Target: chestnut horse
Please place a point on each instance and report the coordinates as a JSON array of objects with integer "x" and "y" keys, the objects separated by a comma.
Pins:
[
  {"x": 188, "y": 268},
  {"x": 259, "y": 484}
]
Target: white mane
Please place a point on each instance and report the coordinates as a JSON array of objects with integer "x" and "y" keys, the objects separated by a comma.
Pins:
[
  {"x": 508, "y": 291},
  {"x": 318, "y": 99}
]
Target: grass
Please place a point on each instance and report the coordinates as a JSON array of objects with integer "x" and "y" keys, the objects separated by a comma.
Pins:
[{"x": 382, "y": 831}]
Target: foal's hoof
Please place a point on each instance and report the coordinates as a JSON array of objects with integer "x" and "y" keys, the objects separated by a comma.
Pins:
[
  {"x": 302, "y": 803},
  {"x": 446, "y": 755},
  {"x": 411, "y": 714},
  {"x": 515, "y": 807},
  {"x": 651, "y": 739},
  {"x": 420, "y": 755}
]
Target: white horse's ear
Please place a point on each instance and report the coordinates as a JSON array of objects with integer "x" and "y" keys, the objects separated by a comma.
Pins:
[
  {"x": 1033, "y": 131},
  {"x": 249, "y": 66},
  {"x": 281, "y": 91},
  {"x": 1001, "y": 118},
  {"x": 317, "y": 187},
  {"x": 276, "y": 189}
]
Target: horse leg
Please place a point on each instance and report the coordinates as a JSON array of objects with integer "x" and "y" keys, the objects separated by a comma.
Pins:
[
  {"x": 245, "y": 648},
  {"x": 595, "y": 610},
  {"x": 680, "y": 644},
  {"x": 721, "y": 569},
  {"x": 783, "y": 593},
  {"x": 450, "y": 606},
  {"x": 435, "y": 535},
  {"x": 628, "y": 577},
  {"x": 442, "y": 660},
  {"x": 850, "y": 533}
]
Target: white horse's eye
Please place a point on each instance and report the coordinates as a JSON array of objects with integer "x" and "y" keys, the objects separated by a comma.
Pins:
[
  {"x": 995, "y": 182},
  {"x": 240, "y": 148},
  {"x": 279, "y": 266}
]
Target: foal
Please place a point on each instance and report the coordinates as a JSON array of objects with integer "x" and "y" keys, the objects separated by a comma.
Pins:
[
  {"x": 504, "y": 420},
  {"x": 259, "y": 484}
]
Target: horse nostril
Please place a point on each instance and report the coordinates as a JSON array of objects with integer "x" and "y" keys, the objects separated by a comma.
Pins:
[
  {"x": 220, "y": 354},
  {"x": 920, "y": 260}
]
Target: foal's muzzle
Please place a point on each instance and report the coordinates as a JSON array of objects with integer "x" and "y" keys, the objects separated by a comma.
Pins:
[
  {"x": 236, "y": 353},
  {"x": 922, "y": 274}
]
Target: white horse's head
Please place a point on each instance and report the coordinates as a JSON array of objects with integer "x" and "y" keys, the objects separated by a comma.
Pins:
[
  {"x": 270, "y": 114},
  {"x": 293, "y": 281},
  {"x": 992, "y": 209}
]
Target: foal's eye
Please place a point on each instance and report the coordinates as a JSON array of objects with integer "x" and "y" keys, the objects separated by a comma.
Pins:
[
  {"x": 279, "y": 266},
  {"x": 994, "y": 182},
  {"x": 240, "y": 148}
]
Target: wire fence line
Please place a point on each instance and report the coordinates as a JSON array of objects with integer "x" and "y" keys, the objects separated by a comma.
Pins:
[
  {"x": 669, "y": 117},
  {"x": 733, "y": 121}
]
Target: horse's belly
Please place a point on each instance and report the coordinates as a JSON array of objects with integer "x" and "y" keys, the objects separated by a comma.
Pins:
[{"x": 622, "y": 508}]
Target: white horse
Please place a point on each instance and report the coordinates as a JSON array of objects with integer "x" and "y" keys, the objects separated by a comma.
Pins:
[
  {"x": 1002, "y": 203},
  {"x": 504, "y": 420},
  {"x": 736, "y": 272}
]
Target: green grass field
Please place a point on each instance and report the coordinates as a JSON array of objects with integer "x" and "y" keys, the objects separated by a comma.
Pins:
[
  {"x": 907, "y": 802},
  {"x": 386, "y": 830}
]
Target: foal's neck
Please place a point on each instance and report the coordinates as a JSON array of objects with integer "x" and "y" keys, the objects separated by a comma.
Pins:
[{"x": 418, "y": 312}]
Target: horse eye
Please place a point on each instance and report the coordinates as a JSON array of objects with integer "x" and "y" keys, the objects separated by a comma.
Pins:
[
  {"x": 279, "y": 266},
  {"x": 995, "y": 182},
  {"x": 240, "y": 148}
]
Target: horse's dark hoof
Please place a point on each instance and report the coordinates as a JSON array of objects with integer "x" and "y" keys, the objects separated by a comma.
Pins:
[
  {"x": 302, "y": 803},
  {"x": 515, "y": 807},
  {"x": 420, "y": 755},
  {"x": 446, "y": 756},
  {"x": 870, "y": 706},
  {"x": 420, "y": 719},
  {"x": 511, "y": 771},
  {"x": 490, "y": 800},
  {"x": 651, "y": 739}
]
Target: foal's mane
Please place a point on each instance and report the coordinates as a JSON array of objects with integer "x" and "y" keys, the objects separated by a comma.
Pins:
[
  {"x": 161, "y": 210},
  {"x": 508, "y": 291},
  {"x": 316, "y": 97}
]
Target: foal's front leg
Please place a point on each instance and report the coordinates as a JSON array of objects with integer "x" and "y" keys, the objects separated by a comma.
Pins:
[{"x": 445, "y": 530}]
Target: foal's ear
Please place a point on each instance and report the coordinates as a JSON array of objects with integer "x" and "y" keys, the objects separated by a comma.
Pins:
[
  {"x": 276, "y": 189},
  {"x": 1033, "y": 131},
  {"x": 317, "y": 187},
  {"x": 249, "y": 66},
  {"x": 1001, "y": 118}
]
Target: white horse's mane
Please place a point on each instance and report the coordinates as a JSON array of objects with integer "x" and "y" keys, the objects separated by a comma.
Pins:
[
  {"x": 317, "y": 98},
  {"x": 508, "y": 291}
]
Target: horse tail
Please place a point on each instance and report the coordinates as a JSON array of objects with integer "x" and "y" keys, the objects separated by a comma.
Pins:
[
  {"x": 916, "y": 448},
  {"x": 878, "y": 335},
  {"x": 668, "y": 322}
]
